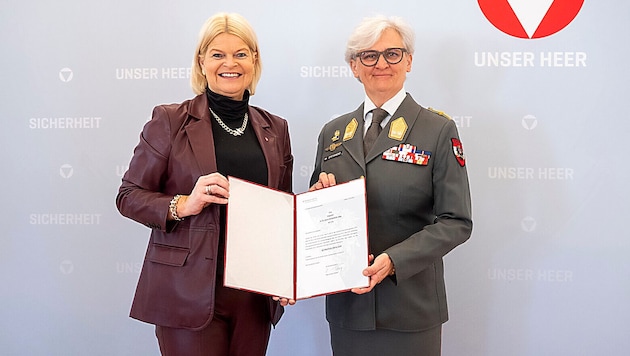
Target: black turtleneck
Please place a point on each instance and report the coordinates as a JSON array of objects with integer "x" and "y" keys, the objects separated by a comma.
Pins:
[
  {"x": 228, "y": 108},
  {"x": 237, "y": 156}
]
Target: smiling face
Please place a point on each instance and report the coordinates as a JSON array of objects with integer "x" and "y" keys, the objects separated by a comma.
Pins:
[
  {"x": 383, "y": 80},
  {"x": 228, "y": 66}
]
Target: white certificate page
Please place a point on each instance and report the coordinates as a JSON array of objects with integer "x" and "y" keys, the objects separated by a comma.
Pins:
[
  {"x": 296, "y": 246},
  {"x": 259, "y": 251},
  {"x": 331, "y": 226}
]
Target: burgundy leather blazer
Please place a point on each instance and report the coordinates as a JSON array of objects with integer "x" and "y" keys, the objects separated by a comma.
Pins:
[{"x": 177, "y": 281}]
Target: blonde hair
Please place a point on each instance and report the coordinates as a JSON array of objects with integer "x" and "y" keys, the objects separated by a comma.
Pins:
[{"x": 233, "y": 24}]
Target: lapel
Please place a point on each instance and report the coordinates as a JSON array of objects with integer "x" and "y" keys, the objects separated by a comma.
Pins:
[
  {"x": 199, "y": 132},
  {"x": 354, "y": 146},
  {"x": 267, "y": 140},
  {"x": 408, "y": 111}
]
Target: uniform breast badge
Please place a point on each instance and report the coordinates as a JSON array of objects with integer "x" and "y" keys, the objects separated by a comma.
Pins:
[
  {"x": 333, "y": 146},
  {"x": 407, "y": 153}
]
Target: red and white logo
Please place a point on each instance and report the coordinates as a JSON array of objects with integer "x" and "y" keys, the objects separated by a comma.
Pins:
[
  {"x": 530, "y": 18},
  {"x": 458, "y": 150}
]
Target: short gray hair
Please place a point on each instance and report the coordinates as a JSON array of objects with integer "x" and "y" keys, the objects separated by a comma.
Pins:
[{"x": 370, "y": 30}]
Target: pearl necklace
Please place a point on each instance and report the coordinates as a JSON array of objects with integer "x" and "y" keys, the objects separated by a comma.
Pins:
[{"x": 233, "y": 132}]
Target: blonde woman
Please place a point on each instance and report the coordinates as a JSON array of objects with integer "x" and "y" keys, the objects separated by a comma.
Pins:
[{"x": 176, "y": 185}]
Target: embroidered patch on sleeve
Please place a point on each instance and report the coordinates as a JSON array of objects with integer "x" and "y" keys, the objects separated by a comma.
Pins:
[{"x": 458, "y": 150}]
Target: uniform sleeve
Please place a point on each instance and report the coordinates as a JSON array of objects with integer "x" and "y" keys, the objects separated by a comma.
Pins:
[
  {"x": 452, "y": 208},
  {"x": 318, "y": 159}
]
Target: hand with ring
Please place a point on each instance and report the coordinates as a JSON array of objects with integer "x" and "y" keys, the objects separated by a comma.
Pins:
[{"x": 209, "y": 189}]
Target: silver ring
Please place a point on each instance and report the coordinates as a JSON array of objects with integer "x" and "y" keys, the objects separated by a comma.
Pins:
[{"x": 208, "y": 190}]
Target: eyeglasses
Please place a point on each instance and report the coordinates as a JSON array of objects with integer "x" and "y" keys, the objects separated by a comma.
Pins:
[{"x": 391, "y": 56}]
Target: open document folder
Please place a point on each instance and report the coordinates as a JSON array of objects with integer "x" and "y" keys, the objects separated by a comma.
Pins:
[{"x": 296, "y": 246}]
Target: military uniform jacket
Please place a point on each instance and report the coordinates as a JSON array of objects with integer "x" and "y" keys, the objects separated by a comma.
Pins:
[
  {"x": 177, "y": 280},
  {"x": 419, "y": 209}
]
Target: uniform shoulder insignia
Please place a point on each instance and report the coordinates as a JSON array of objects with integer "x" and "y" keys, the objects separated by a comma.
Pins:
[{"x": 441, "y": 113}]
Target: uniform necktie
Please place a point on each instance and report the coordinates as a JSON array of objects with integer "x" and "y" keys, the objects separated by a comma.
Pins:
[{"x": 375, "y": 128}]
